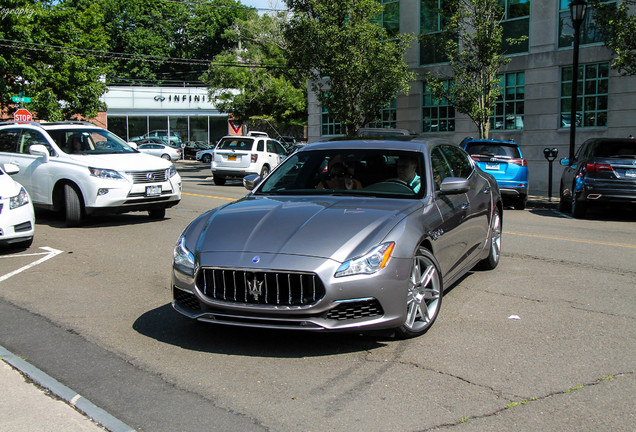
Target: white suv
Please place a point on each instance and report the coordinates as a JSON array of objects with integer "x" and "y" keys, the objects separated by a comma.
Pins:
[
  {"x": 81, "y": 169},
  {"x": 238, "y": 156}
]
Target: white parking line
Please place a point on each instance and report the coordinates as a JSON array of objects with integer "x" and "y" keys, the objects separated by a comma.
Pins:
[{"x": 47, "y": 256}]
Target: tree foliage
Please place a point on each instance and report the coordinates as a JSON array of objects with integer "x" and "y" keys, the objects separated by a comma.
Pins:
[
  {"x": 617, "y": 24},
  {"x": 170, "y": 29},
  {"x": 473, "y": 39},
  {"x": 353, "y": 67},
  {"x": 254, "y": 79},
  {"x": 62, "y": 83}
]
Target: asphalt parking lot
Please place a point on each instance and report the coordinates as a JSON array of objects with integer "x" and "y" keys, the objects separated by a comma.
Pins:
[{"x": 547, "y": 341}]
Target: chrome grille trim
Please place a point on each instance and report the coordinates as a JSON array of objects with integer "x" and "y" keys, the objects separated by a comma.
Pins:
[
  {"x": 259, "y": 287},
  {"x": 156, "y": 176}
]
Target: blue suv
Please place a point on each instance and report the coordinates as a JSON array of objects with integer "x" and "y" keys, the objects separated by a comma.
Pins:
[{"x": 504, "y": 161}]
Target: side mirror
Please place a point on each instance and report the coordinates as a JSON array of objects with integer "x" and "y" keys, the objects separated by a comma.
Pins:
[
  {"x": 10, "y": 168},
  {"x": 565, "y": 162},
  {"x": 40, "y": 151},
  {"x": 251, "y": 181},
  {"x": 454, "y": 186}
]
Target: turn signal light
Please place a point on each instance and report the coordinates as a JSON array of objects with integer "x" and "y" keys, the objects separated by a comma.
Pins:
[
  {"x": 520, "y": 162},
  {"x": 596, "y": 167},
  {"x": 254, "y": 157}
]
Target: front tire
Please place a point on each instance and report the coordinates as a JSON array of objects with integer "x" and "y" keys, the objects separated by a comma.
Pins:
[
  {"x": 264, "y": 171},
  {"x": 424, "y": 296},
  {"x": 72, "y": 206},
  {"x": 494, "y": 253},
  {"x": 219, "y": 181}
]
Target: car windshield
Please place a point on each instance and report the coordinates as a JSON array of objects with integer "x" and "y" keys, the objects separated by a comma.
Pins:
[
  {"x": 507, "y": 151},
  {"x": 369, "y": 172},
  {"x": 89, "y": 141},
  {"x": 616, "y": 150},
  {"x": 241, "y": 143}
]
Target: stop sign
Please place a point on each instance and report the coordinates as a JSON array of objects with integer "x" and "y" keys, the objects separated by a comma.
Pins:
[{"x": 22, "y": 115}]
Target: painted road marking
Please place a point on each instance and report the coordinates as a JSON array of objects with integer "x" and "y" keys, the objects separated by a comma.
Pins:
[
  {"x": 47, "y": 256},
  {"x": 573, "y": 240},
  {"x": 209, "y": 196}
]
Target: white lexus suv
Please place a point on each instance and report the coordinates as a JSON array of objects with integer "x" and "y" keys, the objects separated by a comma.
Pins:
[{"x": 81, "y": 169}]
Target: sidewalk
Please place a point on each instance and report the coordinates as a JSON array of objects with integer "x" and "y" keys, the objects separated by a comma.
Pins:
[{"x": 47, "y": 406}]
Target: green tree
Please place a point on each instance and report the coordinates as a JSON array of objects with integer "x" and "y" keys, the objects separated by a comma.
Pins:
[
  {"x": 473, "y": 38},
  {"x": 618, "y": 27},
  {"x": 254, "y": 79},
  {"x": 45, "y": 56},
  {"x": 353, "y": 66},
  {"x": 157, "y": 38}
]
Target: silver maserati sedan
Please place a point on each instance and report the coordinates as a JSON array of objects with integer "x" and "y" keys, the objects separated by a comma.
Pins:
[{"x": 342, "y": 236}]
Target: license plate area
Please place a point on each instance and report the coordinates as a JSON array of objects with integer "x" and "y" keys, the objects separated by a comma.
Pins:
[
  {"x": 152, "y": 191},
  {"x": 492, "y": 166},
  {"x": 231, "y": 157},
  {"x": 631, "y": 173}
]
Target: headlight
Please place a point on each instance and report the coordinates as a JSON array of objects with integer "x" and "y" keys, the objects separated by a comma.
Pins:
[
  {"x": 183, "y": 259},
  {"x": 172, "y": 171},
  {"x": 19, "y": 200},
  {"x": 105, "y": 174},
  {"x": 369, "y": 263}
]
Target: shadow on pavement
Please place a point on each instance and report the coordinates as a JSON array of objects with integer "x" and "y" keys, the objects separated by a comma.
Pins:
[{"x": 166, "y": 325}]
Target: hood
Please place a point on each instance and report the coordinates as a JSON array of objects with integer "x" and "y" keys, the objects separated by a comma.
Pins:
[
  {"x": 327, "y": 227},
  {"x": 8, "y": 186},
  {"x": 123, "y": 161}
]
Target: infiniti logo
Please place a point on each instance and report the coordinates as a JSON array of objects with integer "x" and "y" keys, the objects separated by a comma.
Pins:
[{"x": 160, "y": 98}]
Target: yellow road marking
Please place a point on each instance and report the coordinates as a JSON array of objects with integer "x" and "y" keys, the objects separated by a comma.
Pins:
[
  {"x": 209, "y": 196},
  {"x": 573, "y": 240}
]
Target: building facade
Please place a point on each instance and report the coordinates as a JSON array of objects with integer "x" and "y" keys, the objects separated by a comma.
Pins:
[
  {"x": 534, "y": 108},
  {"x": 184, "y": 112}
]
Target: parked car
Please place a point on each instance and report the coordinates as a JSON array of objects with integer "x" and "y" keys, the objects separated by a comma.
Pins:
[
  {"x": 504, "y": 160},
  {"x": 192, "y": 147},
  {"x": 295, "y": 255},
  {"x": 205, "y": 156},
  {"x": 602, "y": 172},
  {"x": 237, "y": 156},
  {"x": 161, "y": 150},
  {"x": 80, "y": 169},
  {"x": 172, "y": 138},
  {"x": 17, "y": 219},
  {"x": 150, "y": 141}
]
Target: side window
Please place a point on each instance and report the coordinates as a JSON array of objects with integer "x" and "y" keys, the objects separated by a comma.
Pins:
[
  {"x": 9, "y": 140},
  {"x": 31, "y": 137},
  {"x": 441, "y": 169},
  {"x": 260, "y": 146},
  {"x": 458, "y": 161},
  {"x": 279, "y": 148}
]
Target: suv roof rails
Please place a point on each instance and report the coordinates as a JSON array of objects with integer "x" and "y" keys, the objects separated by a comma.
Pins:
[
  {"x": 20, "y": 122},
  {"x": 69, "y": 122}
]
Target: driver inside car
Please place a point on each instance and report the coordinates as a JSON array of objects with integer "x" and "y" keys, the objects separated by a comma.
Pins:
[{"x": 406, "y": 171}]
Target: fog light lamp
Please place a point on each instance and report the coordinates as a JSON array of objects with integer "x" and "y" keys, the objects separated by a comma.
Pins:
[{"x": 102, "y": 191}]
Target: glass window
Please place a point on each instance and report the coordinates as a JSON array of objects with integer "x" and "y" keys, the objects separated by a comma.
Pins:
[
  {"x": 458, "y": 161},
  {"x": 117, "y": 125},
  {"x": 432, "y": 22},
  {"x": 592, "y": 95},
  {"x": 137, "y": 127},
  {"x": 199, "y": 128},
  {"x": 329, "y": 126},
  {"x": 9, "y": 140},
  {"x": 516, "y": 23},
  {"x": 31, "y": 137},
  {"x": 589, "y": 33},
  {"x": 509, "y": 108},
  {"x": 218, "y": 129},
  {"x": 390, "y": 17},
  {"x": 437, "y": 114},
  {"x": 388, "y": 117},
  {"x": 441, "y": 168},
  {"x": 178, "y": 129}
]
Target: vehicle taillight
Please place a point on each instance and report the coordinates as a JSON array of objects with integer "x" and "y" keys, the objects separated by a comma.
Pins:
[
  {"x": 254, "y": 157},
  {"x": 596, "y": 167},
  {"x": 520, "y": 162}
]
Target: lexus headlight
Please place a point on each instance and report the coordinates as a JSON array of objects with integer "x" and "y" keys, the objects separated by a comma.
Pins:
[
  {"x": 369, "y": 263},
  {"x": 19, "y": 200},
  {"x": 105, "y": 174},
  {"x": 183, "y": 259},
  {"x": 172, "y": 171}
]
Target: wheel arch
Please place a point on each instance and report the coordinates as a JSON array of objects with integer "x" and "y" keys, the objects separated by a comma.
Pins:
[{"x": 58, "y": 194}]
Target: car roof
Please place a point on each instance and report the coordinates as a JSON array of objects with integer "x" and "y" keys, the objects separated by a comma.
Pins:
[{"x": 412, "y": 145}]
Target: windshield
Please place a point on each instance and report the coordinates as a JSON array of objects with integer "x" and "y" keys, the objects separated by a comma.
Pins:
[
  {"x": 509, "y": 151},
  {"x": 89, "y": 141},
  {"x": 343, "y": 172}
]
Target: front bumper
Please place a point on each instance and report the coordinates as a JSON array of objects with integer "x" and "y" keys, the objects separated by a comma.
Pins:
[
  {"x": 16, "y": 225},
  {"x": 369, "y": 302}
]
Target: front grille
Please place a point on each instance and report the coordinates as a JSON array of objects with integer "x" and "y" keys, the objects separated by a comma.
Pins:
[
  {"x": 355, "y": 310},
  {"x": 186, "y": 300},
  {"x": 157, "y": 176},
  {"x": 260, "y": 287}
]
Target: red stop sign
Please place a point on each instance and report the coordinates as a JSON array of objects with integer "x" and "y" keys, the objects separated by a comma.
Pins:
[{"x": 22, "y": 115}]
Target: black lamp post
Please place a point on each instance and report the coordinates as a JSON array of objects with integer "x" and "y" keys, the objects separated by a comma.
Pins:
[{"x": 577, "y": 13}]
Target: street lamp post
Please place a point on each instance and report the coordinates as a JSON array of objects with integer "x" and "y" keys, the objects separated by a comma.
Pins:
[{"x": 577, "y": 13}]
